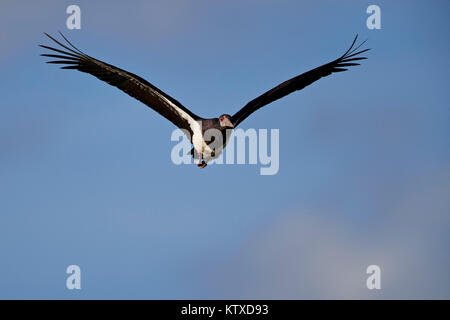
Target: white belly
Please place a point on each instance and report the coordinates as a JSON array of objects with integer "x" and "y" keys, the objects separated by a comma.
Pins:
[{"x": 207, "y": 152}]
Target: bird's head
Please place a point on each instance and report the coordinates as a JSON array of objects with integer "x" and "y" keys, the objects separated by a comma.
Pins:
[{"x": 225, "y": 121}]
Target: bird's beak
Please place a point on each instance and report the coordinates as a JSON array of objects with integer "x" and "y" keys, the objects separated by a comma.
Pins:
[{"x": 228, "y": 123}]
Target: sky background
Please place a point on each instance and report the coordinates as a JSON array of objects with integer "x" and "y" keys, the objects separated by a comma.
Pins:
[{"x": 86, "y": 176}]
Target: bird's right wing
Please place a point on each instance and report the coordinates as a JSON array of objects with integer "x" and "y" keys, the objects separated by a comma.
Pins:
[
  {"x": 301, "y": 81},
  {"x": 128, "y": 82}
]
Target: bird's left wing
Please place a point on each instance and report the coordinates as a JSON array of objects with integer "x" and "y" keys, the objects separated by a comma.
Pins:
[
  {"x": 128, "y": 82},
  {"x": 301, "y": 81}
]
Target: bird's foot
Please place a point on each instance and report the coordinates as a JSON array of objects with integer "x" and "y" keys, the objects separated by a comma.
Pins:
[{"x": 202, "y": 164}]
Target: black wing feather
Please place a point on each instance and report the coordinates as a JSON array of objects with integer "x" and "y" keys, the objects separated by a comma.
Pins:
[
  {"x": 301, "y": 81},
  {"x": 128, "y": 82}
]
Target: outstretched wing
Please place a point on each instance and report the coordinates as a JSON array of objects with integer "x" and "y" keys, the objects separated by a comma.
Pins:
[
  {"x": 301, "y": 81},
  {"x": 128, "y": 82}
]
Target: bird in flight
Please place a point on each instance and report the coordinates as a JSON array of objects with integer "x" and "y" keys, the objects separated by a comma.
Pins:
[{"x": 193, "y": 126}]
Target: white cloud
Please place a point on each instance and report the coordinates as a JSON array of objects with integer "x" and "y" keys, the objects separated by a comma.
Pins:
[{"x": 312, "y": 253}]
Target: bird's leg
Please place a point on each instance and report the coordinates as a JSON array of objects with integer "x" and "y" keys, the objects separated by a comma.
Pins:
[{"x": 198, "y": 156}]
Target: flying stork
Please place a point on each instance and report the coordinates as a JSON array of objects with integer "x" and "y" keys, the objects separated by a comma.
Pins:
[{"x": 193, "y": 125}]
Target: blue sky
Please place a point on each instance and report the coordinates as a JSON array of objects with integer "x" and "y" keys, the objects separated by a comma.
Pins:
[{"x": 86, "y": 176}]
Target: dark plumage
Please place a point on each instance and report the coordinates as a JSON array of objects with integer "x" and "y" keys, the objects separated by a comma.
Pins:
[
  {"x": 174, "y": 111},
  {"x": 301, "y": 81}
]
